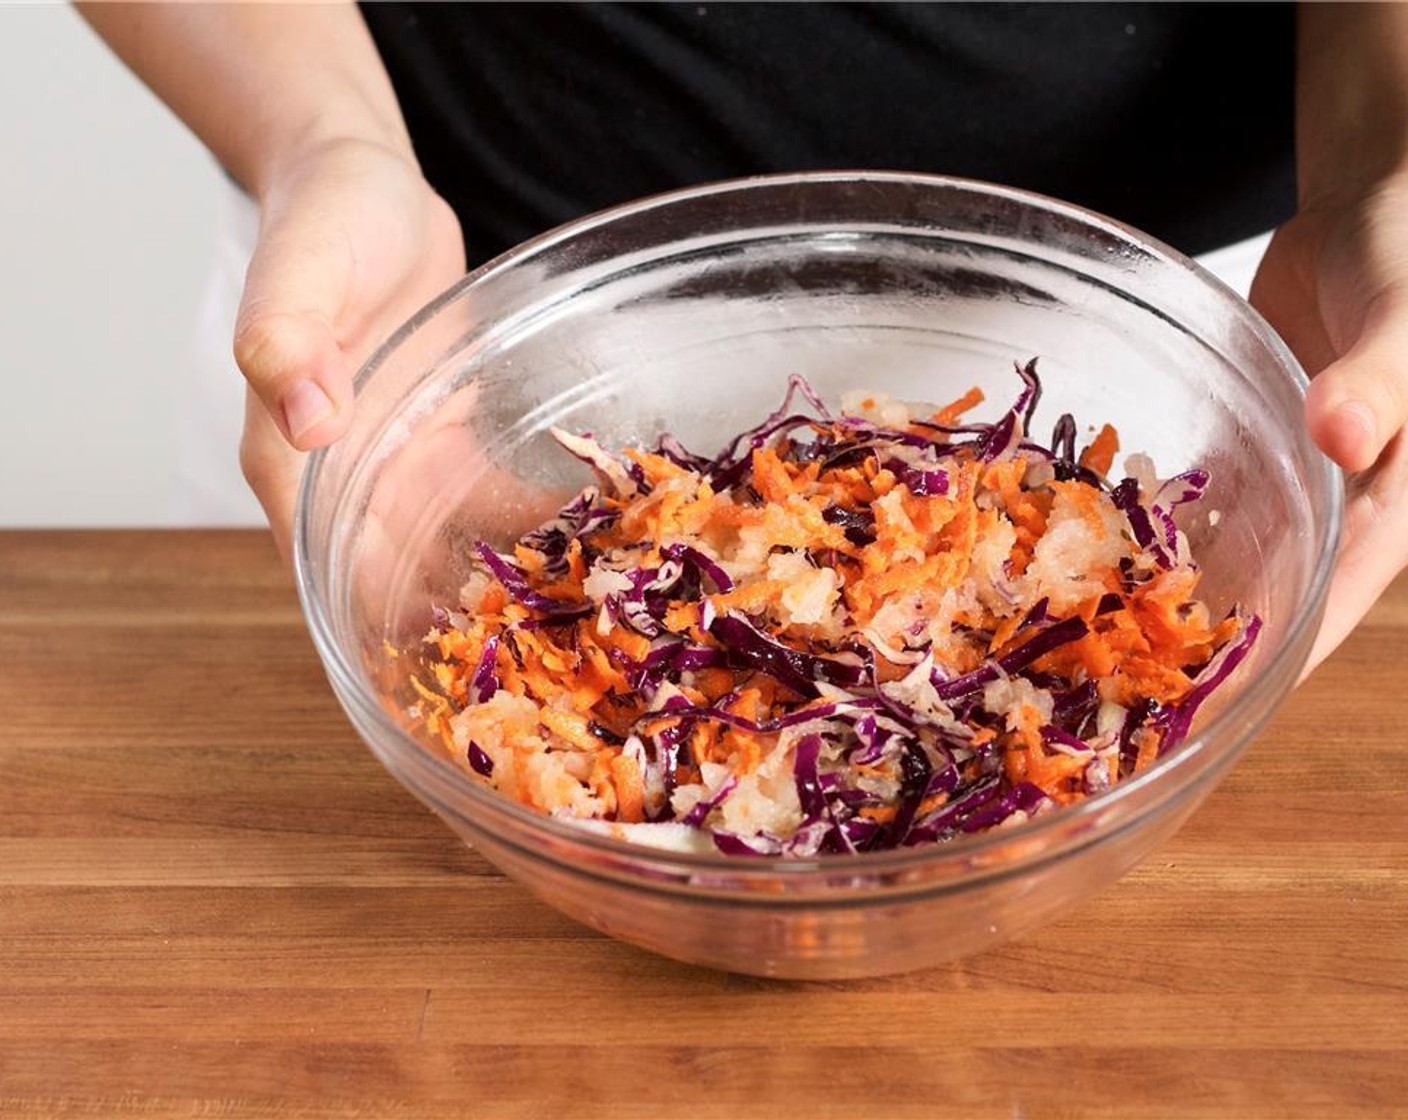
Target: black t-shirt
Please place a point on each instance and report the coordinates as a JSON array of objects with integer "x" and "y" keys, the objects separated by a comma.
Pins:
[{"x": 1174, "y": 118}]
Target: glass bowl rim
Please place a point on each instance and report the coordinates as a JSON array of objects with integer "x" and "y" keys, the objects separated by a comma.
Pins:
[{"x": 397, "y": 742}]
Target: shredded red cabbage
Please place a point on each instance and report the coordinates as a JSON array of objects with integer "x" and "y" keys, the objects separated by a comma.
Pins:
[
  {"x": 882, "y": 756},
  {"x": 799, "y": 671},
  {"x": 480, "y": 762},
  {"x": 517, "y": 585}
]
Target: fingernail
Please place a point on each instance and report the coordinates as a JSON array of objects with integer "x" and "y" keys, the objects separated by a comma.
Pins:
[{"x": 305, "y": 405}]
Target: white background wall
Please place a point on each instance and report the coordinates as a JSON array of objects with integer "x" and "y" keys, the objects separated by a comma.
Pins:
[{"x": 107, "y": 210}]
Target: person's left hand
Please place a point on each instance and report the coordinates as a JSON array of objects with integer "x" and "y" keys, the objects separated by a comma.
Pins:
[{"x": 1334, "y": 284}]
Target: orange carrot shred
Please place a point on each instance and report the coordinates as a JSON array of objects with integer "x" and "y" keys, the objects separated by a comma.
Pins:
[{"x": 806, "y": 573}]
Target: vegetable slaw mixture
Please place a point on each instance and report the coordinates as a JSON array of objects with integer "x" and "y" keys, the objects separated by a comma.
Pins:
[{"x": 846, "y": 632}]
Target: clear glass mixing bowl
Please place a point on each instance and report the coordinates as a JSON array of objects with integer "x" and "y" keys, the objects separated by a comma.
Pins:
[{"x": 686, "y": 313}]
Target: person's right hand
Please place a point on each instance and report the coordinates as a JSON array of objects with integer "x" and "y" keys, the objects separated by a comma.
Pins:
[{"x": 352, "y": 242}]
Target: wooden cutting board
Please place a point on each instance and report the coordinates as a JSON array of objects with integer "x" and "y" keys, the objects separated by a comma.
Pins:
[{"x": 214, "y": 902}]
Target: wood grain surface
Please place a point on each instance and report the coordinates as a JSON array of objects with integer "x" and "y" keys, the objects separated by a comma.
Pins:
[{"x": 213, "y": 902}]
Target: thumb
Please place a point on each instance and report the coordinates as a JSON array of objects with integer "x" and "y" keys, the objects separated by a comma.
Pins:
[
  {"x": 1358, "y": 403},
  {"x": 285, "y": 343}
]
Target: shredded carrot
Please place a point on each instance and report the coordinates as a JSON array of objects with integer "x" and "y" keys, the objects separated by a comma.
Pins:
[
  {"x": 630, "y": 793},
  {"x": 952, "y": 413},
  {"x": 821, "y": 566},
  {"x": 1100, "y": 455}
]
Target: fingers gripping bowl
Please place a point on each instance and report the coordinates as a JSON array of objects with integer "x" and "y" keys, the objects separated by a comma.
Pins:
[{"x": 687, "y": 314}]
